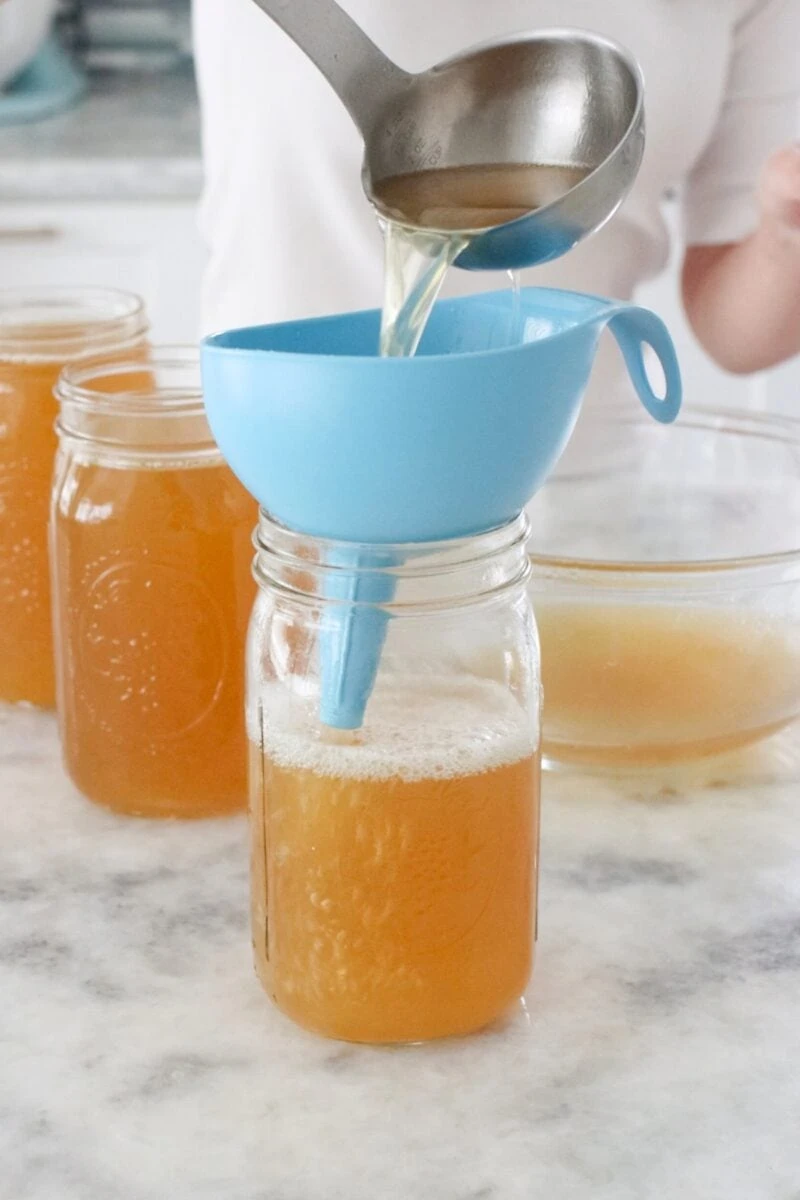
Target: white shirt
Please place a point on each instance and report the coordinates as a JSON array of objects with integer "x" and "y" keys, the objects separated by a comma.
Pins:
[{"x": 289, "y": 229}]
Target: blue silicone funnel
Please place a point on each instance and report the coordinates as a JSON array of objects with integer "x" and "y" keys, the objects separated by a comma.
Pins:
[{"x": 336, "y": 442}]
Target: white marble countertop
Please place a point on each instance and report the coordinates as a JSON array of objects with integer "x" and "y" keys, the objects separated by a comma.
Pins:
[
  {"x": 659, "y": 1056},
  {"x": 133, "y": 136}
]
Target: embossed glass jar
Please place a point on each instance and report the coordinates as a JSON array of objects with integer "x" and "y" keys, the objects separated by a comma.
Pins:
[
  {"x": 394, "y": 866},
  {"x": 41, "y": 329},
  {"x": 150, "y": 560}
]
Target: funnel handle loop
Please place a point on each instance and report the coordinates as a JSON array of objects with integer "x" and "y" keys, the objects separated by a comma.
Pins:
[
  {"x": 360, "y": 74},
  {"x": 634, "y": 328}
]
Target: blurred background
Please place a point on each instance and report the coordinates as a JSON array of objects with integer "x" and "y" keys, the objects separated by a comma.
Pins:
[
  {"x": 100, "y": 167},
  {"x": 100, "y": 171}
]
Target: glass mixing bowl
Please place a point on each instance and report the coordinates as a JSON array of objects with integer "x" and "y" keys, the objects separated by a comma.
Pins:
[{"x": 667, "y": 591}]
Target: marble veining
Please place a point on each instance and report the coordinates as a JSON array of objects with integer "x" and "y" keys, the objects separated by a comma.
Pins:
[
  {"x": 134, "y": 136},
  {"x": 657, "y": 1054}
]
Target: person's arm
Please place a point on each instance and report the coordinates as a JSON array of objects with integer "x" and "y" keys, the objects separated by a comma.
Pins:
[
  {"x": 741, "y": 274},
  {"x": 743, "y": 299}
]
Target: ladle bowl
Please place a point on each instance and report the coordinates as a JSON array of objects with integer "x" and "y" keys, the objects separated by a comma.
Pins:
[{"x": 563, "y": 98}]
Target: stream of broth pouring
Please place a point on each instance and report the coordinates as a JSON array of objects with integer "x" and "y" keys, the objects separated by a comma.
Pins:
[
  {"x": 430, "y": 217},
  {"x": 427, "y": 219}
]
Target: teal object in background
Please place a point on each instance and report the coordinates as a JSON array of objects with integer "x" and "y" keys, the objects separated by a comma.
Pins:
[
  {"x": 49, "y": 84},
  {"x": 336, "y": 442}
]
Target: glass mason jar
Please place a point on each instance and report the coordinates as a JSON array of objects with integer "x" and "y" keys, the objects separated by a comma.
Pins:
[
  {"x": 394, "y": 867},
  {"x": 150, "y": 559},
  {"x": 41, "y": 330}
]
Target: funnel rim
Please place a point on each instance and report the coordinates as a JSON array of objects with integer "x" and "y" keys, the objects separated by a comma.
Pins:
[{"x": 599, "y": 306}]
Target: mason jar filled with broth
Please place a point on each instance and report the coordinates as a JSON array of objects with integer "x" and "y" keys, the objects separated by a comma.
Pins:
[
  {"x": 151, "y": 549},
  {"x": 394, "y": 865},
  {"x": 41, "y": 329}
]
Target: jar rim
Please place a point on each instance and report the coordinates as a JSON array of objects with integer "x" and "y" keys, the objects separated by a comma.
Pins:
[
  {"x": 58, "y": 324},
  {"x": 459, "y": 550},
  {"x": 466, "y": 570},
  {"x": 160, "y": 414},
  {"x": 185, "y": 399}
]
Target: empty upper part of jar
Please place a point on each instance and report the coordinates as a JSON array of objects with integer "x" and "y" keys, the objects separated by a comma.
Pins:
[
  {"x": 146, "y": 408},
  {"x": 337, "y": 624},
  {"x": 57, "y": 324}
]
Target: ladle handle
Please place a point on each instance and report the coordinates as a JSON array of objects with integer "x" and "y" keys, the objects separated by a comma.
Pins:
[{"x": 360, "y": 74}]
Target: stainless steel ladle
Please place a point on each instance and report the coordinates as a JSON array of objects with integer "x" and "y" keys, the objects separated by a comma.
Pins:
[{"x": 557, "y": 97}]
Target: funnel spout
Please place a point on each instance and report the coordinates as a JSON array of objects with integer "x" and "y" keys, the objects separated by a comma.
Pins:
[{"x": 353, "y": 632}]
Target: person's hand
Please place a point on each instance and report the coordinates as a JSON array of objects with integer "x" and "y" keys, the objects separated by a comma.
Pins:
[{"x": 780, "y": 192}]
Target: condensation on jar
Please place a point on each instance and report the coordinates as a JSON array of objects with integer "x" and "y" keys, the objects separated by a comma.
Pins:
[
  {"x": 41, "y": 330},
  {"x": 150, "y": 556},
  {"x": 394, "y": 866}
]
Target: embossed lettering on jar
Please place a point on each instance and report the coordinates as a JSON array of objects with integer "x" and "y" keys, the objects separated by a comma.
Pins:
[{"x": 150, "y": 555}]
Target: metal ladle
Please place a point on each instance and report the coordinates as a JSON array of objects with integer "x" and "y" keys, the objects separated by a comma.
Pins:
[{"x": 559, "y": 97}]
